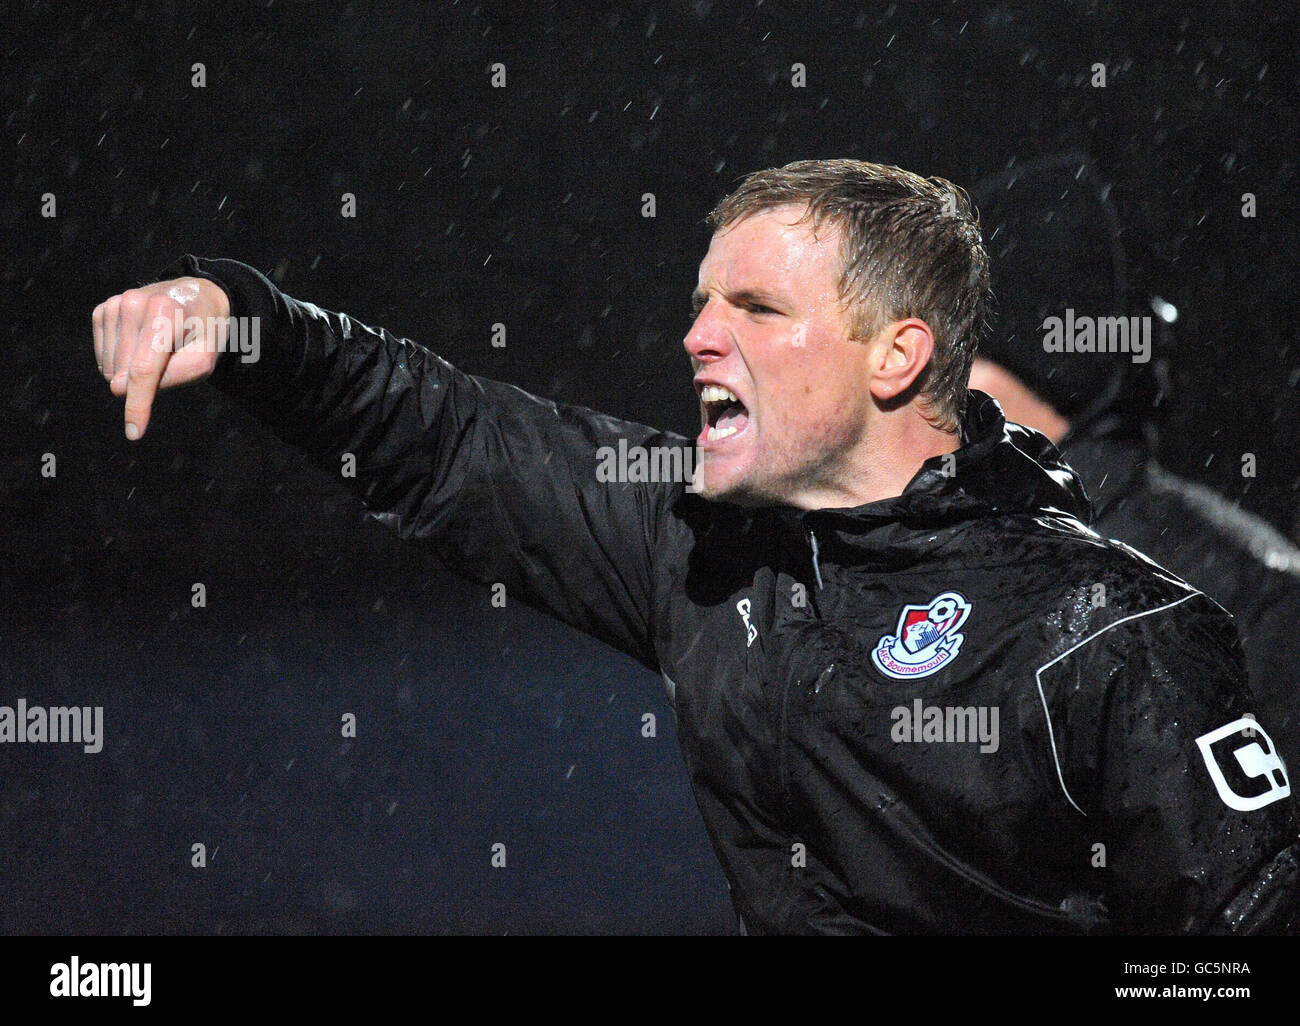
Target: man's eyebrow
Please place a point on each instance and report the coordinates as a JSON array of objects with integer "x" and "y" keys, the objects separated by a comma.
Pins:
[{"x": 750, "y": 296}]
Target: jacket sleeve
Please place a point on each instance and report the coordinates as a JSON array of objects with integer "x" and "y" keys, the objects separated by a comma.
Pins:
[
  {"x": 504, "y": 487},
  {"x": 1190, "y": 797}
]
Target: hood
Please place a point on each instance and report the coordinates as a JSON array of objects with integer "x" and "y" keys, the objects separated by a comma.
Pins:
[
  {"x": 1053, "y": 238},
  {"x": 1109, "y": 457}
]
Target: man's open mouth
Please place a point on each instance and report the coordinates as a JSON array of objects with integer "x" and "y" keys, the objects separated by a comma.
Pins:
[{"x": 726, "y": 415}]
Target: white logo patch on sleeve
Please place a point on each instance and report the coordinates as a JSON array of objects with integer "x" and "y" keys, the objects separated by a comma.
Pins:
[{"x": 1244, "y": 765}]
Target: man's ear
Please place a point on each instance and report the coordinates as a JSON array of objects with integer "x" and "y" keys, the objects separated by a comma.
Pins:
[{"x": 900, "y": 353}]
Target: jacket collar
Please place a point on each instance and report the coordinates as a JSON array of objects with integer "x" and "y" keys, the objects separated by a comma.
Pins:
[{"x": 1000, "y": 468}]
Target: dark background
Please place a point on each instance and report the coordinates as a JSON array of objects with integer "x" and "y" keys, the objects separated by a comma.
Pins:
[{"x": 477, "y": 205}]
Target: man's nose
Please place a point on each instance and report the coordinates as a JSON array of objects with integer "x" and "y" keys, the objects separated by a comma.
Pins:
[{"x": 709, "y": 338}]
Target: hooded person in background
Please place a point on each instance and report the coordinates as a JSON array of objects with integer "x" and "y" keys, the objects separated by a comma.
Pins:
[{"x": 1058, "y": 264}]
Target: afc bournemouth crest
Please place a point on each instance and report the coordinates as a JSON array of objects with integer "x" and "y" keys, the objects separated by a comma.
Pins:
[{"x": 927, "y": 638}]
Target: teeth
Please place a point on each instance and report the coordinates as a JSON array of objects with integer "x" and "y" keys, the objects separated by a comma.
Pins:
[
  {"x": 715, "y": 434},
  {"x": 718, "y": 394}
]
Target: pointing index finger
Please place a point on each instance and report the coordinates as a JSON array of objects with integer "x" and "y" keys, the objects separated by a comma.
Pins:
[{"x": 149, "y": 359}]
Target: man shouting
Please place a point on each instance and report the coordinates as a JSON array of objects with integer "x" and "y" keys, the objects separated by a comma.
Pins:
[{"x": 914, "y": 692}]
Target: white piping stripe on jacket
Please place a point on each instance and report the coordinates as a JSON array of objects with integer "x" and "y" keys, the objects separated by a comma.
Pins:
[{"x": 1038, "y": 676}]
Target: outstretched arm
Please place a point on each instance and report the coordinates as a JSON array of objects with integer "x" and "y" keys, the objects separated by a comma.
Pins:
[{"x": 502, "y": 485}]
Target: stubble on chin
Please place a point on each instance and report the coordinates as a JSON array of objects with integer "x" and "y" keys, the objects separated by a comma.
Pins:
[
  {"x": 751, "y": 488},
  {"x": 737, "y": 489}
]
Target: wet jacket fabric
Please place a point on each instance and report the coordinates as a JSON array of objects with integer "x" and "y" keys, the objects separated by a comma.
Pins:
[
  {"x": 957, "y": 710},
  {"x": 1236, "y": 558}
]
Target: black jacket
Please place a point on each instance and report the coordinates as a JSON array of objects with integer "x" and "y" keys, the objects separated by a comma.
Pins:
[
  {"x": 798, "y": 647},
  {"x": 1236, "y": 558}
]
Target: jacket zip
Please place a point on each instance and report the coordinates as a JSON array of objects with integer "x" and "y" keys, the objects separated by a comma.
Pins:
[{"x": 817, "y": 570}]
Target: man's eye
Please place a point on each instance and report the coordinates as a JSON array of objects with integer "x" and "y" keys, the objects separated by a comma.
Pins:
[{"x": 760, "y": 309}]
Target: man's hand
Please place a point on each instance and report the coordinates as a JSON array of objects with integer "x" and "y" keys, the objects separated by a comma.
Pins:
[{"x": 162, "y": 335}]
